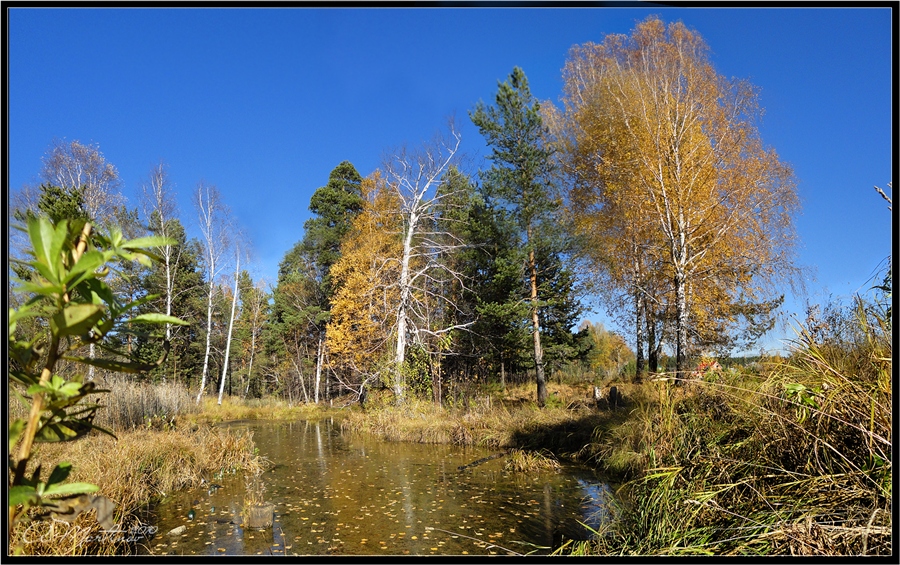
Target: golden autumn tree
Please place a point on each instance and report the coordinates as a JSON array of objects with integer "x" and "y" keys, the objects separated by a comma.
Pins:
[
  {"x": 665, "y": 156},
  {"x": 364, "y": 304}
]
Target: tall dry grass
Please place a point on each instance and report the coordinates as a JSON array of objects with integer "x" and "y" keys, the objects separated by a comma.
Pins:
[
  {"x": 129, "y": 405},
  {"x": 795, "y": 463},
  {"x": 237, "y": 408}
]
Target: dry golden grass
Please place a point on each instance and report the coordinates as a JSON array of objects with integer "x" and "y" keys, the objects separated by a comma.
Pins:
[
  {"x": 520, "y": 461},
  {"x": 236, "y": 408},
  {"x": 796, "y": 461}
]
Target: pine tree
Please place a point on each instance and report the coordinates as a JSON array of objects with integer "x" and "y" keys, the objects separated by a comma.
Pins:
[{"x": 521, "y": 182}]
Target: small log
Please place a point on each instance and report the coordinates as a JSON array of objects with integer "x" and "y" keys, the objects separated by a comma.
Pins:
[{"x": 483, "y": 460}]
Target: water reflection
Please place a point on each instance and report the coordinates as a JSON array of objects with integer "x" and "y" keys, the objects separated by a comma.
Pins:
[{"x": 344, "y": 494}]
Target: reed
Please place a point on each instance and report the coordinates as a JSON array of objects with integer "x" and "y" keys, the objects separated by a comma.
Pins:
[{"x": 507, "y": 419}]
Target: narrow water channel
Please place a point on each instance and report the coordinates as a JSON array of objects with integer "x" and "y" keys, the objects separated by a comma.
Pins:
[{"x": 344, "y": 494}]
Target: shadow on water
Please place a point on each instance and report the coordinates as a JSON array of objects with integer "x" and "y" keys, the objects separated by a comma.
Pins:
[{"x": 342, "y": 494}]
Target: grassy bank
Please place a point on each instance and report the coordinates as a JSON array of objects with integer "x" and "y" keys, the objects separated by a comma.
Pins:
[
  {"x": 499, "y": 419},
  {"x": 791, "y": 458},
  {"x": 163, "y": 443},
  {"x": 236, "y": 408},
  {"x": 131, "y": 471}
]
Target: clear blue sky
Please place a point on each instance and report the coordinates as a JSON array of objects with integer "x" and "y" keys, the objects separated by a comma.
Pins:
[{"x": 263, "y": 103}]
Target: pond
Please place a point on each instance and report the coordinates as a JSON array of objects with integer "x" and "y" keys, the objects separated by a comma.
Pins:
[{"x": 346, "y": 494}]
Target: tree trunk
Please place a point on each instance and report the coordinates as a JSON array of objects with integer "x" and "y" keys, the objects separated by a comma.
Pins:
[
  {"x": 680, "y": 326},
  {"x": 640, "y": 363},
  {"x": 536, "y": 330},
  {"x": 209, "y": 308},
  {"x": 652, "y": 346},
  {"x": 230, "y": 327},
  {"x": 320, "y": 355},
  {"x": 302, "y": 383},
  {"x": 400, "y": 354},
  {"x": 90, "y": 375},
  {"x": 252, "y": 353}
]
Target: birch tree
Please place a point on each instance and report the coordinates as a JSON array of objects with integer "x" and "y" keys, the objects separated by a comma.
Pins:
[
  {"x": 675, "y": 147},
  {"x": 254, "y": 312},
  {"x": 213, "y": 221},
  {"x": 234, "y": 302},
  {"x": 73, "y": 165},
  {"x": 82, "y": 169},
  {"x": 160, "y": 209},
  {"x": 414, "y": 178}
]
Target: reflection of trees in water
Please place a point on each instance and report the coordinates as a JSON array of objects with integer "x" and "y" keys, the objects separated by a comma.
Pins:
[{"x": 332, "y": 491}]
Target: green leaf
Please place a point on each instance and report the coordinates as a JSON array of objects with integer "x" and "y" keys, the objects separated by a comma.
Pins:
[
  {"x": 85, "y": 267},
  {"x": 76, "y": 319},
  {"x": 97, "y": 292},
  {"x": 69, "y": 389},
  {"x": 59, "y": 473},
  {"x": 56, "y": 431},
  {"x": 15, "y": 432},
  {"x": 22, "y": 495},
  {"x": 147, "y": 242},
  {"x": 44, "y": 289},
  {"x": 46, "y": 272},
  {"x": 40, "y": 232},
  {"x": 144, "y": 260},
  {"x": 70, "y": 488},
  {"x": 154, "y": 318},
  {"x": 21, "y": 313}
]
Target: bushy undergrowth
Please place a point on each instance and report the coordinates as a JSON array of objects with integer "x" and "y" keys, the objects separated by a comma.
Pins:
[{"x": 796, "y": 463}]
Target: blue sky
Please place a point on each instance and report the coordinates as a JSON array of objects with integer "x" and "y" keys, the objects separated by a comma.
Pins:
[{"x": 263, "y": 103}]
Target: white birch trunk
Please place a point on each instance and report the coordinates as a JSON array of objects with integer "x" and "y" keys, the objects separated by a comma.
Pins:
[
  {"x": 237, "y": 271},
  {"x": 209, "y": 308},
  {"x": 400, "y": 354},
  {"x": 319, "y": 357}
]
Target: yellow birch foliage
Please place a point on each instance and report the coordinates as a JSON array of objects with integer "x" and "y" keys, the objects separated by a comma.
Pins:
[
  {"x": 363, "y": 307},
  {"x": 672, "y": 178}
]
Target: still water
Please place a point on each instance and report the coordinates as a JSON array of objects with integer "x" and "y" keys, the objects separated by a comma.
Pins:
[{"x": 346, "y": 494}]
